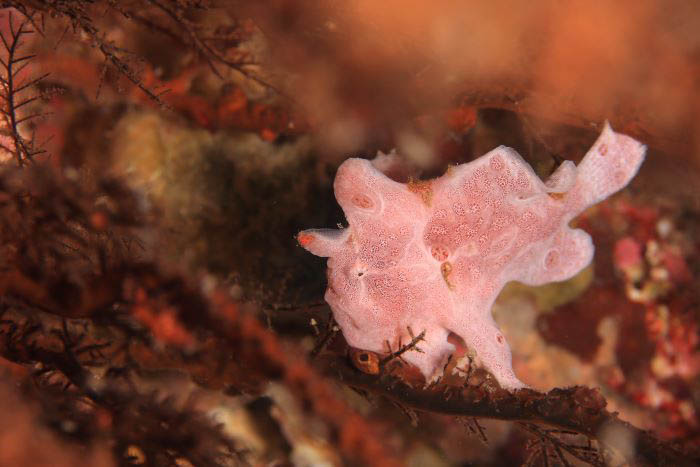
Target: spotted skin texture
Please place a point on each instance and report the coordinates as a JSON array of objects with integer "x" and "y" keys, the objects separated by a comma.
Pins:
[{"x": 433, "y": 255}]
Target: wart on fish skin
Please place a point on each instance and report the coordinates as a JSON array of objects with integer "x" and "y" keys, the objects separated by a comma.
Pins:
[{"x": 495, "y": 219}]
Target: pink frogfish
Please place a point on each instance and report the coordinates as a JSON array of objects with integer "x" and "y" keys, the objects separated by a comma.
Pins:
[{"x": 432, "y": 256}]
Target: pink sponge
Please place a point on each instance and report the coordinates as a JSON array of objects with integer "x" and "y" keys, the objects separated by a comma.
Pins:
[{"x": 433, "y": 255}]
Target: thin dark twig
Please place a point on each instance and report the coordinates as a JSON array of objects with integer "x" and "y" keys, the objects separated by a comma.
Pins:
[
  {"x": 404, "y": 348},
  {"x": 212, "y": 55},
  {"x": 328, "y": 335},
  {"x": 82, "y": 21},
  {"x": 549, "y": 441}
]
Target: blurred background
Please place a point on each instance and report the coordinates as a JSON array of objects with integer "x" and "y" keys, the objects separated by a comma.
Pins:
[{"x": 200, "y": 136}]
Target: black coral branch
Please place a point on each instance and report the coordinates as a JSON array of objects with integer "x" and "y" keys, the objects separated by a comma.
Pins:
[{"x": 16, "y": 92}]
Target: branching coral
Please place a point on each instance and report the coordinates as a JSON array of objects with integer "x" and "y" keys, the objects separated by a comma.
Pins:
[
  {"x": 177, "y": 315},
  {"x": 18, "y": 86}
]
